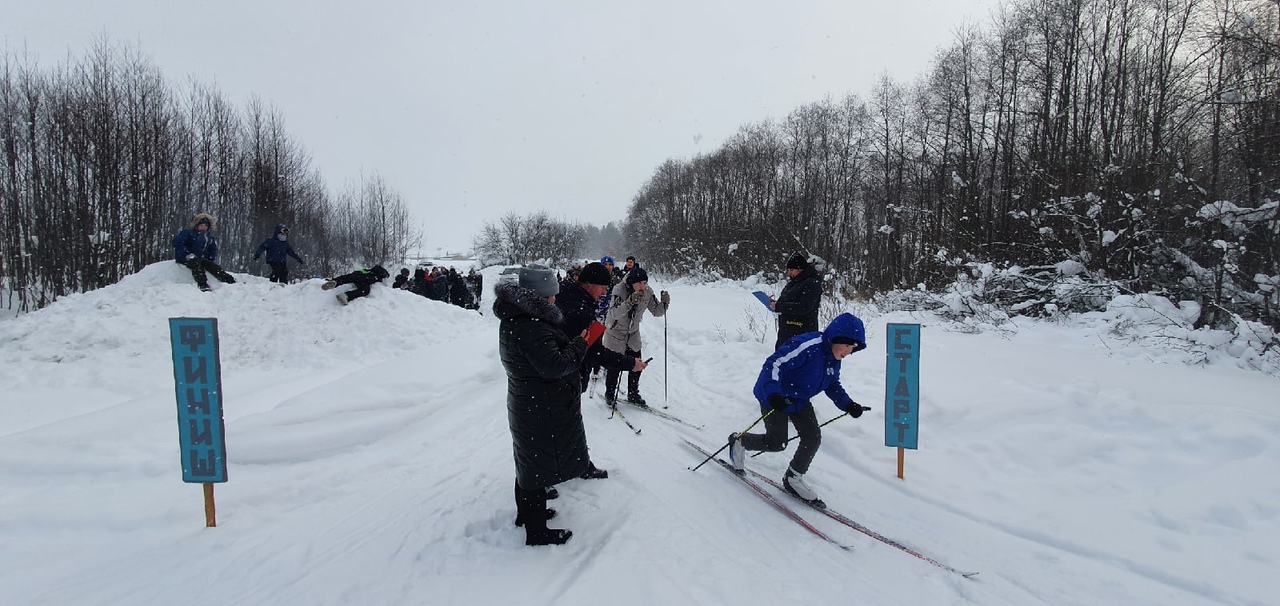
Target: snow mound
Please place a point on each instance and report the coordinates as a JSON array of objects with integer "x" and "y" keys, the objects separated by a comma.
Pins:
[{"x": 117, "y": 336}]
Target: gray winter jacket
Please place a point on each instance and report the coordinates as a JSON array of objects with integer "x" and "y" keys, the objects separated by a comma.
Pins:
[{"x": 622, "y": 323}]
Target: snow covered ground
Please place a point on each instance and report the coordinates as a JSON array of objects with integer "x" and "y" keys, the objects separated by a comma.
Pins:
[{"x": 370, "y": 463}]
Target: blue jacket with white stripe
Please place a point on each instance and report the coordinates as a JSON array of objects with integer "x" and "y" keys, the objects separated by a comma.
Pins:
[{"x": 804, "y": 366}]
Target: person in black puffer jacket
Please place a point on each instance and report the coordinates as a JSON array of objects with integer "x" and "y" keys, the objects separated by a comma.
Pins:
[
  {"x": 797, "y": 305},
  {"x": 544, "y": 405},
  {"x": 362, "y": 279}
]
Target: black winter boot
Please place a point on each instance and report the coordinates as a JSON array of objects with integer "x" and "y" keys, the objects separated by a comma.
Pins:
[
  {"x": 547, "y": 536},
  {"x": 611, "y": 388},
  {"x": 594, "y": 473},
  {"x": 532, "y": 511},
  {"x": 633, "y": 390}
]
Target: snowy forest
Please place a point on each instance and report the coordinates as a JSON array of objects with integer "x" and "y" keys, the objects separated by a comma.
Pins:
[
  {"x": 1084, "y": 148},
  {"x": 1088, "y": 147},
  {"x": 103, "y": 161}
]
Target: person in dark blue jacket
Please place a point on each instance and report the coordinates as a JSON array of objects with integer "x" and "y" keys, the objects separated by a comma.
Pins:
[
  {"x": 197, "y": 248},
  {"x": 278, "y": 250},
  {"x": 804, "y": 366}
]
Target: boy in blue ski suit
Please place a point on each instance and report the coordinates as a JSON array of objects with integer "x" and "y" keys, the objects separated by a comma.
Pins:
[
  {"x": 804, "y": 366},
  {"x": 278, "y": 252},
  {"x": 197, "y": 248}
]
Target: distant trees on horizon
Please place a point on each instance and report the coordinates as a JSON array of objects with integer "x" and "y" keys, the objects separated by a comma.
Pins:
[
  {"x": 533, "y": 237},
  {"x": 101, "y": 162},
  {"x": 1130, "y": 144},
  {"x": 1137, "y": 139}
]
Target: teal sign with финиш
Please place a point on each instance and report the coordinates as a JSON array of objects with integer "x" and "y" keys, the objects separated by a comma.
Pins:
[
  {"x": 902, "y": 386},
  {"x": 197, "y": 378}
]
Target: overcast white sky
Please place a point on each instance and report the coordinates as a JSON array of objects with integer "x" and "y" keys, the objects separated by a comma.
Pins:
[{"x": 474, "y": 109}]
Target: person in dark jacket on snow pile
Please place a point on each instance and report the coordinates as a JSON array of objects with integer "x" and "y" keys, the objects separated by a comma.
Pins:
[
  {"x": 544, "y": 402},
  {"x": 797, "y": 305},
  {"x": 804, "y": 366},
  {"x": 577, "y": 301},
  {"x": 278, "y": 250},
  {"x": 197, "y": 248},
  {"x": 622, "y": 328},
  {"x": 362, "y": 279},
  {"x": 402, "y": 279}
]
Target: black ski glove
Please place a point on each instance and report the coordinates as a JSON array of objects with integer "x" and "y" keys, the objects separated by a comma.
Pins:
[
  {"x": 854, "y": 409},
  {"x": 778, "y": 401}
]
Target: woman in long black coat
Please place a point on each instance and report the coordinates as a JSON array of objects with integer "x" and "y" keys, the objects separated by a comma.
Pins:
[{"x": 544, "y": 406}]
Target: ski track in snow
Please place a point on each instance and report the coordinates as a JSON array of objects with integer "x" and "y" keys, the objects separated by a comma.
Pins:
[{"x": 370, "y": 462}]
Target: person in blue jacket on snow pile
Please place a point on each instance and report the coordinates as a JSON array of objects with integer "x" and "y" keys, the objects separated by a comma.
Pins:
[
  {"x": 804, "y": 366},
  {"x": 277, "y": 247},
  {"x": 197, "y": 248}
]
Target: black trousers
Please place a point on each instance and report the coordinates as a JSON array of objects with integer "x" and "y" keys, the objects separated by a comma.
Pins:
[
  {"x": 633, "y": 378},
  {"x": 791, "y": 326},
  {"x": 774, "y": 438},
  {"x": 280, "y": 272},
  {"x": 200, "y": 265},
  {"x": 362, "y": 282}
]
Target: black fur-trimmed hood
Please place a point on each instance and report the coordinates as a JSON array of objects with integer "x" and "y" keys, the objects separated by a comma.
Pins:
[{"x": 513, "y": 301}]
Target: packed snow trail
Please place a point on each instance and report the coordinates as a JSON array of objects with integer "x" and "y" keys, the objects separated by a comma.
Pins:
[{"x": 370, "y": 462}]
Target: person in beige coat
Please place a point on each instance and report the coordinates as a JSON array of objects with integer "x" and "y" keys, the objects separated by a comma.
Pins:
[{"x": 631, "y": 298}]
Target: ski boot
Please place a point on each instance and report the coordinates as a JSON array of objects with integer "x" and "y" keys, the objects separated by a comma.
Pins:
[
  {"x": 794, "y": 483},
  {"x": 737, "y": 454}
]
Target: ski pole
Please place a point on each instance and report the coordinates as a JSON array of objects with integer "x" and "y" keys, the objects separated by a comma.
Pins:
[
  {"x": 833, "y": 420},
  {"x": 666, "y": 379},
  {"x": 737, "y": 435}
]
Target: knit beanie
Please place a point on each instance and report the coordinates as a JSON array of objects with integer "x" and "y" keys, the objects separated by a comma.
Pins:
[
  {"x": 595, "y": 273},
  {"x": 798, "y": 260},
  {"x": 540, "y": 279},
  {"x": 637, "y": 274}
]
